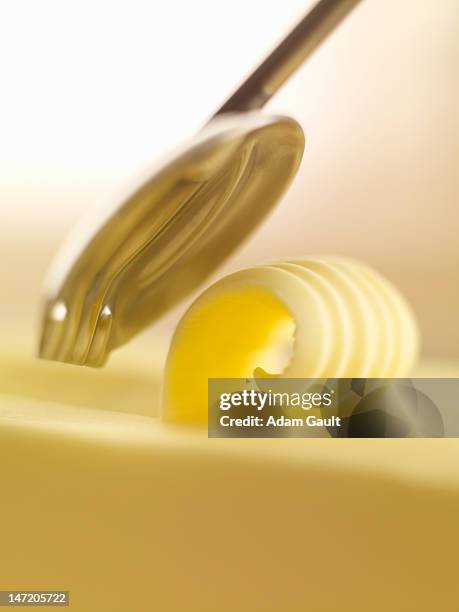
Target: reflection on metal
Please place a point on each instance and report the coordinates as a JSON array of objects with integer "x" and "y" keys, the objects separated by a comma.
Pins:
[{"x": 194, "y": 210}]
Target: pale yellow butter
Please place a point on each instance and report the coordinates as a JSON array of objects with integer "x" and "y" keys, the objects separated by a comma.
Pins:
[
  {"x": 134, "y": 515},
  {"x": 342, "y": 320}
]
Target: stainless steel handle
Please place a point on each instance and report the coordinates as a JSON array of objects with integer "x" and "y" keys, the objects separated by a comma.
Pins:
[{"x": 294, "y": 49}]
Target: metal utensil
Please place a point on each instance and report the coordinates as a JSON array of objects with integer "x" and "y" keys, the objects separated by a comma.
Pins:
[{"x": 164, "y": 240}]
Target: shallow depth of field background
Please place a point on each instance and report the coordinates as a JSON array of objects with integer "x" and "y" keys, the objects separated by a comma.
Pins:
[{"x": 93, "y": 92}]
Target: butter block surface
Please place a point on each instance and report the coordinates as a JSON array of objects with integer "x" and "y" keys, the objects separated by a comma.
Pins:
[{"x": 132, "y": 514}]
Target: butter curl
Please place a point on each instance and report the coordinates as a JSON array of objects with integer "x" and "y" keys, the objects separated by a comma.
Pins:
[{"x": 317, "y": 317}]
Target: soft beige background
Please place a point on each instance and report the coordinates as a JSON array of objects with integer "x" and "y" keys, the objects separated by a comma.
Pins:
[{"x": 93, "y": 92}]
